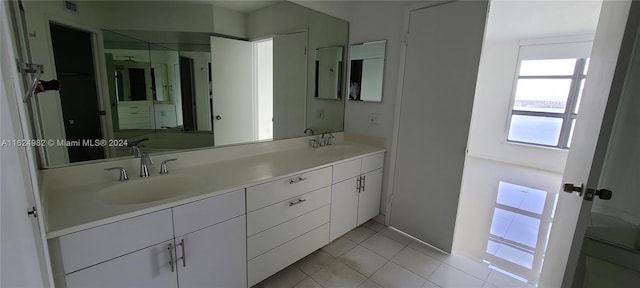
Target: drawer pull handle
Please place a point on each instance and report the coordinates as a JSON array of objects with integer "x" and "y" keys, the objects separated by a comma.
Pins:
[
  {"x": 171, "y": 257},
  {"x": 184, "y": 256},
  {"x": 299, "y": 179},
  {"x": 300, "y": 200}
]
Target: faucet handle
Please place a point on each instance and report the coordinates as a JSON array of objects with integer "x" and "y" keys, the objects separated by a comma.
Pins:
[
  {"x": 329, "y": 139},
  {"x": 123, "y": 173},
  {"x": 146, "y": 158},
  {"x": 163, "y": 165},
  {"x": 313, "y": 143}
]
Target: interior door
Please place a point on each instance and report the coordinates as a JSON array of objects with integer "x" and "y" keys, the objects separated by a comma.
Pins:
[
  {"x": 25, "y": 256},
  {"x": 187, "y": 94},
  {"x": 441, "y": 66},
  {"x": 73, "y": 54},
  {"x": 607, "y": 73},
  {"x": 232, "y": 73},
  {"x": 289, "y": 85}
]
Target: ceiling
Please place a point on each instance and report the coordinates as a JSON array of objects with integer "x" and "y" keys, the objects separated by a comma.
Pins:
[{"x": 528, "y": 19}]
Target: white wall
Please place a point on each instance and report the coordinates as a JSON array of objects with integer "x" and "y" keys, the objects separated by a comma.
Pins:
[
  {"x": 370, "y": 21},
  {"x": 508, "y": 23},
  {"x": 366, "y": 25},
  {"x": 229, "y": 22},
  {"x": 323, "y": 31}
]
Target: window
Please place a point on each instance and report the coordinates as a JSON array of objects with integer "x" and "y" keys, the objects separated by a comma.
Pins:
[{"x": 546, "y": 98}]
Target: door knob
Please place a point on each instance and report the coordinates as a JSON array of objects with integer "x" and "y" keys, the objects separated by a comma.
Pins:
[
  {"x": 604, "y": 194},
  {"x": 218, "y": 117},
  {"x": 570, "y": 188},
  {"x": 589, "y": 193}
]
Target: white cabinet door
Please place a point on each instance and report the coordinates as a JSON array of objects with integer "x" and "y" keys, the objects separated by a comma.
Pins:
[
  {"x": 148, "y": 267},
  {"x": 369, "y": 196},
  {"x": 344, "y": 207},
  {"x": 214, "y": 256}
]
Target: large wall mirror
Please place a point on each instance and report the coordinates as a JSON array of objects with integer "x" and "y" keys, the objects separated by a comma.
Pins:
[
  {"x": 183, "y": 75},
  {"x": 367, "y": 71}
]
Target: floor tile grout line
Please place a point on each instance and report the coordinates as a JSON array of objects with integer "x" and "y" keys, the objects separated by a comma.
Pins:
[{"x": 431, "y": 274}]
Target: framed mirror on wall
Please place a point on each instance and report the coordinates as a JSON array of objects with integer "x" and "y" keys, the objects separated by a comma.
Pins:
[{"x": 367, "y": 71}]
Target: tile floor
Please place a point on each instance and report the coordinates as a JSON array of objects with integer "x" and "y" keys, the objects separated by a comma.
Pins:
[{"x": 373, "y": 255}]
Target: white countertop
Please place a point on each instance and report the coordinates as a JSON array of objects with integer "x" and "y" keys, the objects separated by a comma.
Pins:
[{"x": 71, "y": 208}]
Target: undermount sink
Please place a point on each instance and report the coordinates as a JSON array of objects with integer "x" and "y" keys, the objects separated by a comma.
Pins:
[
  {"x": 145, "y": 190},
  {"x": 339, "y": 149}
]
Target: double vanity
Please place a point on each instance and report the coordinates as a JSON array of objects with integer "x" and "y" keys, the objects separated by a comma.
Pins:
[{"x": 212, "y": 220}]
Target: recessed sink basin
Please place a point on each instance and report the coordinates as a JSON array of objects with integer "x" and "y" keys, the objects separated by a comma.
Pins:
[
  {"x": 145, "y": 190},
  {"x": 339, "y": 149}
]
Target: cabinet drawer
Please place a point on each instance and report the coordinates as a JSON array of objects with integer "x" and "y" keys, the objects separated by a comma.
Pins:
[
  {"x": 276, "y": 236},
  {"x": 372, "y": 162},
  {"x": 273, "y": 261},
  {"x": 134, "y": 108},
  {"x": 92, "y": 246},
  {"x": 273, "y": 192},
  {"x": 200, "y": 214},
  {"x": 344, "y": 171},
  {"x": 265, "y": 218}
]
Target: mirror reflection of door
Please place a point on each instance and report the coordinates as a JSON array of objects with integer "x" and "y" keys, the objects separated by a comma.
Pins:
[
  {"x": 233, "y": 108},
  {"x": 289, "y": 83},
  {"x": 73, "y": 54},
  {"x": 187, "y": 91}
]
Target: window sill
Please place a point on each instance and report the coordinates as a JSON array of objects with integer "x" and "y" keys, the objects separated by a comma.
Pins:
[{"x": 537, "y": 146}]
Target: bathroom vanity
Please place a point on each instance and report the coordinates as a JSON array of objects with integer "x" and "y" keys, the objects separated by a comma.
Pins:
[{"x": 219, "y": 223}]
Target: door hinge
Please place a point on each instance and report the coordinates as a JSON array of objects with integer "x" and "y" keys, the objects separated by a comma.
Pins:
[{"x": 33, "y": 212}]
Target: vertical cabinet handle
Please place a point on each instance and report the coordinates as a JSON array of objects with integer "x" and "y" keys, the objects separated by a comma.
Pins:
[
  {"x": 171, "y": 257},
  {"x": 184, "y": 256},
  {"x": 363, "y": 181},
  {"x": 358, "y": 185}
]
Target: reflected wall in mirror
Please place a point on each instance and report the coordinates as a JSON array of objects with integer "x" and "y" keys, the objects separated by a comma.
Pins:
[
  {"x": 367, "y": 71},
  {"x": 329, "y": 67},
  {"x": 163, "y": 70}
]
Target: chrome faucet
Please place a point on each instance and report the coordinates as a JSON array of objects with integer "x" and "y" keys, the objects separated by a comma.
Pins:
[
  {"x": 145, "y": 160},
  {"x": 325, "y": 138},
  {"x": 134, "y": 147}
]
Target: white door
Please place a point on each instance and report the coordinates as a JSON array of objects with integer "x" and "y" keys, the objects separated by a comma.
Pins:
[
  {"x": 214, "y": 256},
  {"x": 440, "y": 70},
  {"x": 591, "y": 137},
  {"x": 24, "y": 255},
  {"x": 369, "y": 197},
  {"x": 233, "y": 107},
  {"x": 344, "y": 207},
  {"x": 289, "y": 85},
  {"x": 151, "y": 267}
]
